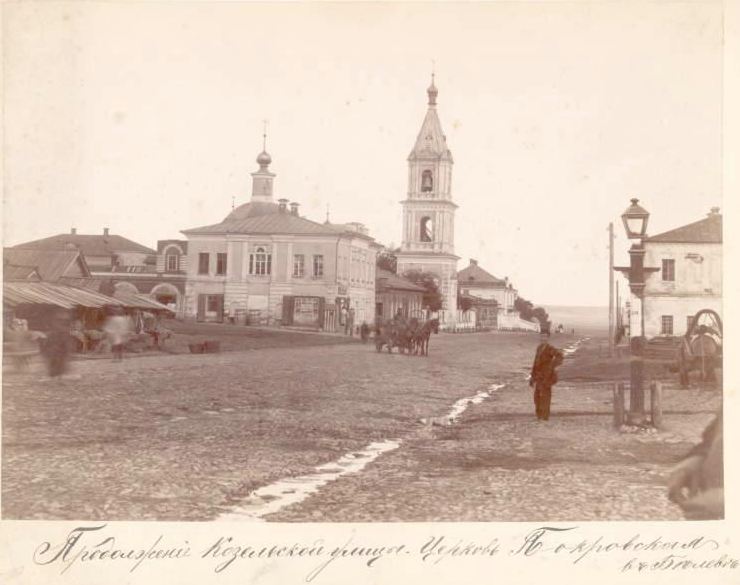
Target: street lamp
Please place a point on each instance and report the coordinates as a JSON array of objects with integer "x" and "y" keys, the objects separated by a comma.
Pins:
[{"x": 635, "y": 219}]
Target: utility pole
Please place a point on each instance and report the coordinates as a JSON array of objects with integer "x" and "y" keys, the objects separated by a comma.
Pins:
[{"x": 611, "y": 289}]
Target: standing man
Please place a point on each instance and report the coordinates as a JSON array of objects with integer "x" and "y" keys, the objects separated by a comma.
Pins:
[{"x": 543, "y": 376}]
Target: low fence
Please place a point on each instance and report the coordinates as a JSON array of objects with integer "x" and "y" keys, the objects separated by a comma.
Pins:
[
  {"x": 513, "y": 322},
  {"x": 464, "y": 321}
]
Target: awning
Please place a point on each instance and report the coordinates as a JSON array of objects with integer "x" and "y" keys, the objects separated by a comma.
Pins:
[
  {"x": 44, "y": 293},
  {"x": 136, "y": 301}
]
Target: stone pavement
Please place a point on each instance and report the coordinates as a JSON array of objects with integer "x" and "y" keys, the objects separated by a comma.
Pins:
[{"x": 186, "y": 437}]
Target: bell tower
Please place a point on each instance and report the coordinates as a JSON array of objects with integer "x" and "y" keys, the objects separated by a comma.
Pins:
[{"x": 428, "y": 238}]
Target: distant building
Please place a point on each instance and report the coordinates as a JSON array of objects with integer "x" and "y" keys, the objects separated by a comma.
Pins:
[
  {"x": 40, "y": 264},
  {"x": 267, "y": 264},
  {"x": 103, "y": 251},
  {"x": 119, "y": 263},
  {"x": 475, "y": 281},
  {"x": 689, "y": 259},
  {"x": 394, "y": 293}
]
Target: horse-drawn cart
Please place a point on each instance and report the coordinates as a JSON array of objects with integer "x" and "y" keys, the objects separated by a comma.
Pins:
[
  {"x": 410, "y": 337},
  {"x": 701, "y": 347}
]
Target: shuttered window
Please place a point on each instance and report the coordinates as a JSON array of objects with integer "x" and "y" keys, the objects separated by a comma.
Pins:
[
  {"x": 203, "y": 262},
  {"x": 668, "y": 271},
  {"x": 221, "y": 263}
]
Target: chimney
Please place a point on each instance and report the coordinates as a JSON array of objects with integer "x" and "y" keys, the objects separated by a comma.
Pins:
[
  {"x": 105, "y": 231},
  {"x": 713, "y": 211},
  {"x": 473, "y": 262},
  {"x": 73, "y": 231},
  {"x": 283, "y": 203},
  {"x": 294, "y": 208}
]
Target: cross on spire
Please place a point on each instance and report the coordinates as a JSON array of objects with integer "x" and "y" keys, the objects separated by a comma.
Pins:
[
  {"x": 432, "y": 90},
  {"x": 264, "y": 135}
]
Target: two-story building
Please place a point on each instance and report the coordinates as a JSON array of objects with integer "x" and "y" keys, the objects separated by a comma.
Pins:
[
  {"x": 266, "y": 264},
  {"x": 689, "y": 259}
]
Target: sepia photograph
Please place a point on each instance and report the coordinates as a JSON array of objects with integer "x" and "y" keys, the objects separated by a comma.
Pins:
[{"x": 302, "y": 263}]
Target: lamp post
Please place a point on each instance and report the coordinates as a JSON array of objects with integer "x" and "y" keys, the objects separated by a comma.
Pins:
[{"x": 635, "y": 219}]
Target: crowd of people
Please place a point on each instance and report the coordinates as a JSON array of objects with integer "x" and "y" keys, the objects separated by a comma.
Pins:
[{"x": 64, "y": 334}]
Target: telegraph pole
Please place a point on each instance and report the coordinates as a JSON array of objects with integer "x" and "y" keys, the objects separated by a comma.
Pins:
[{"x": 611, "y": 289}]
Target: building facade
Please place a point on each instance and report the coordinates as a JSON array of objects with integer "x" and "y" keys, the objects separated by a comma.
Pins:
[
  {"x": 688, "y": 279},
  {"x": 428, "y": 238},
  {"x": 266, "y": 264},
  {"x": 394, "y": 294}
]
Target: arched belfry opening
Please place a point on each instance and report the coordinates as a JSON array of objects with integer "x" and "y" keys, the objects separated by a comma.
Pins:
[
  {"x": 426, "y": 229},
  {"x": 427, "y": 181}
]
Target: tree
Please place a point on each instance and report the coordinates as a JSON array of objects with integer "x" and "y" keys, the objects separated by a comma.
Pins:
[
  {"x": 432, "y": 298},
  {"x": 541, "y": 315},
  {"x": 529, "y": 312},
  {"x": 525, "y": 308},
  {"x": 387, "y": 259},
  {"x": 464, "y": 303}
]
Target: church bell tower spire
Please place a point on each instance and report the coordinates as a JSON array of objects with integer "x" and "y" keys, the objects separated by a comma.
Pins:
[{"x": 428, "y": 238}]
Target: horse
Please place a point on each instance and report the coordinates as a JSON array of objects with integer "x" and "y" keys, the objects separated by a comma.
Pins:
[{"x": 421, "y": 340}]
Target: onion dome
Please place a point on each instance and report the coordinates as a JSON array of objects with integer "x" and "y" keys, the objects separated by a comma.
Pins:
[
  {"x": 432, "y": 93},
  {"x": 263, "y": 159}
]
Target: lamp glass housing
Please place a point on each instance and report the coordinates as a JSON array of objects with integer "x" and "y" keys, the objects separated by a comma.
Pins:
[{"x": 635, "y": 220}]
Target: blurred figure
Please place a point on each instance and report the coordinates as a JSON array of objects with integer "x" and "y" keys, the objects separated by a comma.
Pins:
[
  {"x": 351, "y": 322},
  {"x": 58, "y": 340},
  {"x": 117, "y": 329},
  {"x": 696, "y": 484},
  {"x": 18, "y": 344},
  {"x": 364, "y": 332}
]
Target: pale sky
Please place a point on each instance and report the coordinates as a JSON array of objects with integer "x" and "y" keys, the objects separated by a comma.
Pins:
[{"x": 147, "y": 118}]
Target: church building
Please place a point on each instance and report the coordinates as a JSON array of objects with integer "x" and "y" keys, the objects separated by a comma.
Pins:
[
  {"x": 427, "y": 242},
  {"x": 265, "y": 264}
]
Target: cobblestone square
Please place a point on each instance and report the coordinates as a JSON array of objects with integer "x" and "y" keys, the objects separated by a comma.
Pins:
[{"x": 190, "y": 437}]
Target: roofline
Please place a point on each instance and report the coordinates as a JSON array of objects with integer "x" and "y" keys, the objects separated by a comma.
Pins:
[
  {"x": 270, "y": 233},
  {"x": 670, "y": 240}
]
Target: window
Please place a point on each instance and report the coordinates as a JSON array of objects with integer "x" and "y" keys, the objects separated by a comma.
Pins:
[
  {"x": 203, "y": 262},
  {"x": 213, "y": 303},
  {"x": 666, "y": 325},
  {"x": 220, "y": 263},
  {"x": 299, "y": 265},
  {"x": 426, "y": 181},
  {"x": 318, "y": 265},
  {"x": 669, "y": 270},
  {"x": 260, "y": 262},
  {"x": 172, "y": 263},
  {"x": 426, "y": 229}
]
